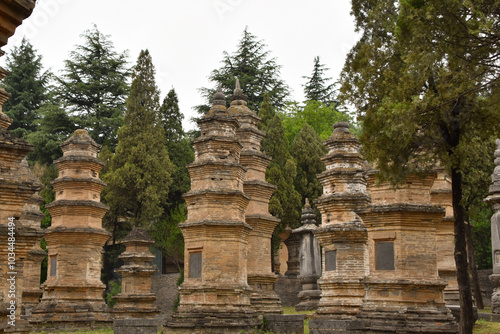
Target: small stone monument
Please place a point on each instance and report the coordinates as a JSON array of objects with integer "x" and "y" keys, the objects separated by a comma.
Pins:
[
  {"x": 73, "y": 293},
  {"x": 494, "y": 200},
  {"x": 135, "y": 299},
  {"x": 310, "y": 261}
]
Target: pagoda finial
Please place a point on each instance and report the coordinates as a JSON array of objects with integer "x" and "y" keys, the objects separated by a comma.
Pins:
[
  {"x": 238, "y": 97},
  {"x": 219, "y": 97}
]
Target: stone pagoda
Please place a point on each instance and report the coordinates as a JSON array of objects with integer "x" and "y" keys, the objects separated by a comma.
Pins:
[
  {"x": 73, "y": 292},
  {"x": 342, "y": 234},
  {"x": 404, "y": 292},
  {"x": 259, "y": 272},
  {"x": 215, "y": 295},
  {"x": 310, "y": 261},
  {"x": 136, "y": 300},
  {"x": 441, "y": 195},
  {"x": 494, "y": 200},
  {"x": 17, "y": 186}
]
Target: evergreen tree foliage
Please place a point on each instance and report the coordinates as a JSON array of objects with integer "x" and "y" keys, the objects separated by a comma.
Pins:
[
  {"x": 318, "y": 115},
  {"x": 308, "y": 149},
  {"x": 317, "y": 87},
  {"x": 257, "y": 74},
  {"x": 424, "y": 78},
  {"x": 266, "y": 113},
  {"x": 94, "y": 86},
  {"x": 26, "y": 83},
  {"x": 171, "y": 117},
  {"x": 54, "y": 127},
  {"x": 282, "y": 170},
  {"x": 139, "y": 176}
]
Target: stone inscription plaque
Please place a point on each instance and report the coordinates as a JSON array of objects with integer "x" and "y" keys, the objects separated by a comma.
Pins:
[
  {"x": 384, "y": 251},
  {"x": 53, "y": 266},
  {"x": 195, "y": 265},
  {"x": 331, "y": 260}
]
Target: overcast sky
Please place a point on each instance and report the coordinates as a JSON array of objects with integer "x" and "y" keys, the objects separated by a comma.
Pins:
[{"x": 186, "y": 38}]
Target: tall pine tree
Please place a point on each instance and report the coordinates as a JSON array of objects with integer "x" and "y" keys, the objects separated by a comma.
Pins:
[
  {"x": 139, "y": 177},
  {"x": 256, "y": 71},
  {"x": 26, "y": 83},
  {"x": 317, "y": 87},
  {"x": 94, "y": 86}
]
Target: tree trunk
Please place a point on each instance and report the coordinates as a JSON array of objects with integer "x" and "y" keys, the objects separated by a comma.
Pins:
[
  {"x": 473, "y": 268},
  {"x": 466, "y": 310}
]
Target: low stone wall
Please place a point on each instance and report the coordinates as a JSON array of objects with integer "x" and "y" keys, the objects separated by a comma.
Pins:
[
  {"x": 135, "y": 326},
  {"x": 285, "y": 323},
  {"x": 166, "y": 291},
  {"x": 288, "y": 289}
]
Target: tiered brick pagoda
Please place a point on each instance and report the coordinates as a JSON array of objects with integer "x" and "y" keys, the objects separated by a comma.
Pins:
[
  {"x": 259, "y": 272},
  {"x": 73, "y": 292},
  {"x": 494, "y": 200},
  {"x": 310, "y": 261},
  {"x": 441, "y": 195},
  {"x": 342, "y": 234},
  {"x": 215, "y": 295},
  {"x": 17, "y": 185},
  {"x": 404, "y": 292},
  {"x": 136, "y": 299}
]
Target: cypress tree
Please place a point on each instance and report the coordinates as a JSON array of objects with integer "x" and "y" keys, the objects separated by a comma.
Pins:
[
  {"x": 307, "y": 149},
  {"x": 140, "y": 171}
]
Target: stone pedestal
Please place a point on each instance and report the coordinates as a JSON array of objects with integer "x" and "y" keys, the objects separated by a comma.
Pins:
[
  {"x": 259, "y": 272},
  {"x": 342, "y": 233},
  {"x": 403, "y": 289},
  {"x": 494, "y": 200},
  {"x": 73, "y": 292},
  {"x": 310, "y": 261},
  {"x": 445, "y": 236},
  {"x": 136, "y": 299},
  {"x": 215, "y": 295}
]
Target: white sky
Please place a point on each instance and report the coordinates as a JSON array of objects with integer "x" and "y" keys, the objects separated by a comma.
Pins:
[{"x": 187, "y": 38}]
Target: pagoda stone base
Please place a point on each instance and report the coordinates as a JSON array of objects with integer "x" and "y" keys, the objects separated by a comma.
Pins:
[
  {"x": 341, "y": 298},
  {"x": 54, "y": 316},
  {"x": 213, "y": 322},
  {"x": 213, "y": 309},
  {"x": 310, "y": 294},
  {"x": 31, "y": 299},
  {"x": 309, "y": 300},
  {"x": 495, "y": 296},
  {"x": 134, "y": 306},
  {"x": 320, "y": 325},
  {"x": 408, "y": 319},
  {"x": 263, "y": 298}
]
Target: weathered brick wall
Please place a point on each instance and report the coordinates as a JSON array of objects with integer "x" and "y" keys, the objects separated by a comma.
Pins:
[{"x": 165, "y": 289}]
